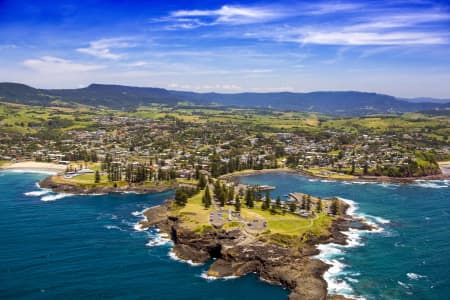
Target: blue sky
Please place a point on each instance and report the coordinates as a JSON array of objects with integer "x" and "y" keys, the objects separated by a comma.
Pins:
[{"x": 396, "y": 47}]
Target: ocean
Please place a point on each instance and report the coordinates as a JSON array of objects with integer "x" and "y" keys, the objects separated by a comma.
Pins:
[{"x": 56, "y": 246}]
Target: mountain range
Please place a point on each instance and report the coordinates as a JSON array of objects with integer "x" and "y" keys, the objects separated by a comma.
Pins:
[{"x": 345, "y": 103}]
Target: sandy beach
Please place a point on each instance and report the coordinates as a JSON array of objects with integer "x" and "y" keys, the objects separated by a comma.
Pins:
[{"x": 35, "y": 166}]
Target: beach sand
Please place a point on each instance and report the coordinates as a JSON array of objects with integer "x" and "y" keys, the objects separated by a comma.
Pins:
[{"x": 35, "y": 166}]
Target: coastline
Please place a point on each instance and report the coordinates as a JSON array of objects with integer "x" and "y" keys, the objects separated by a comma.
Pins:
[
  {"x": 33, "y": 166},
  {"x": 49, "y": 183},
  {"x": 375, "y": 179},
  {"x": 53, "y": 169},
  {"x": 236, "y": 254}
]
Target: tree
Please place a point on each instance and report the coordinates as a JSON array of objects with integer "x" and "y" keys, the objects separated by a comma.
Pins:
[
  {"x": 319, "y": 205},
  {"x": 249, "y": 198},
  {"x": 230, "y": 194},
  {"x": 334, "y": 208},
  {"x": 292, "y": 206},
  {"x": 206, "y": 200},
  {"x": 97, "y": 176},
  {"x": 273, "y": 209},
  {"x": 266, "y": 203},
  {"x": 237, "y": 203},
  {"x": 308, "y": 203},
  {"x": 180, "y": 197},
  {"x": 202, "y": 181},
  {"x": 278, "y": 203},
  {"x": 303, "y": 202}
]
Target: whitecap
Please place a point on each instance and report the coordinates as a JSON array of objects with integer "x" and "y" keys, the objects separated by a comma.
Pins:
[
  {"x": 205, "y": 275},
  {"x": 159, "y": 240},
  {"x": 312, "y": 180},
  {"x": 130, "y": 192},
  {"x": 431, "y": 184},
  {"x": 55, "y": 197},
  {"x": 414, "y": 276},
  {"x": 330, "y": 253},
  {"x": 391, "y": 186},
  {"x": 138, "y": 227},
  {"x": 327, "y": 180},
  {"x": 37, "y": 193},
  {"x": 382, "y": 220},
  {"x": 137, "y": 213},
  {"x": 173, "y": 256},
  {"x": 405, "y": 285},
  {"x": 109, "y": 227},
  {"x": 369, "y": 219}
]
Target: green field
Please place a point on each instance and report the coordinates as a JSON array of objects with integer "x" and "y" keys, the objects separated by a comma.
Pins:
[
  {"x": 30, "y": 119},
  {"x": 196, "y": 217}
]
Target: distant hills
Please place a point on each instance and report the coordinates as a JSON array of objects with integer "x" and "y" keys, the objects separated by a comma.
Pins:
[{"x": 127, "y": 97}]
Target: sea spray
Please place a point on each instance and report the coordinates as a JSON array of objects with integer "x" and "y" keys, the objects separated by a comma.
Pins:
[
  {"x": 55, "y": 197},
  {"x": 36, "y": 193},
  {"x": 205, "y": 275},
  {"x": 173, "y": 256},
  {"x": 332, "y": 253},
  {"x": 138, "y": 226}
]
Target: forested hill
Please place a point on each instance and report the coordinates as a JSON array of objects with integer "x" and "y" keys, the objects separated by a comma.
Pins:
[{"x": 127, "y": 97}]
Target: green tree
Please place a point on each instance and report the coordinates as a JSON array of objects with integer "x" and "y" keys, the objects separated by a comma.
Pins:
[
  {"x": 303, "y": 206},
  {"x": 278, "y": 203},
  {"x": 273, "y": 209},
  {"x": 334, "y": 208},
  {"x": 237, "y": 203},
  {"x": 180, "y": 197},
  {"x": 97, "y": 176},
  {"x": 292, "y": 206},
  {"x": 206, "y": 200},
  {"x": 319, "y": 205},
  {"x": 249, "y": 198},
  {"x": 308, "y": 203},
  {"x": 201, "y": 181},
  {"x": 266, "y": 203}
]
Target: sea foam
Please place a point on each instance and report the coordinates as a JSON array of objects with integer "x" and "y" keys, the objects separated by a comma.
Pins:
[
  {"x": 432, "y": 184},
  {"x": 414, "y": 276},
  {"x": 37, "y": 193},
  {"x": 173, "y": 256},
  {"x": 205, "y": 275},
  {"x": 332, "y": 253},
  {"x": 137, "y": 226},
  {"x": 159, "y": 240},
  {"x": 55, "y": 197}
]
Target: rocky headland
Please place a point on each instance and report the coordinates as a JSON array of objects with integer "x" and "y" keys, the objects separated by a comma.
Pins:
[
  {"x": 69, "y": 188},
  {"x": 235, "y": 252}
]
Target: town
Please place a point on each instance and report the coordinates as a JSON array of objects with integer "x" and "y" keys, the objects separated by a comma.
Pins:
[{"x": 171, "y": 147}]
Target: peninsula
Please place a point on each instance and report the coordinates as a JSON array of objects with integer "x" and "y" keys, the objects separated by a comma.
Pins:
[{"x": 245, "y": 232}]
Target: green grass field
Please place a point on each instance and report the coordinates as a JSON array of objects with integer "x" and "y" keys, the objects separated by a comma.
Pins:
[{"x": 196, "y": 217}]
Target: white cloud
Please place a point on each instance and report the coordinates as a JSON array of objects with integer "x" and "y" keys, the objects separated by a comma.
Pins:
[
  {"x": 53, "y": 65},
  {"x": 102, "y": 48},
  {"x": 371, "y": 38},
  {"x": 227, "y": 14},
  {"x": 330, "y": 8},
  {"x": 392, "y": 21}
]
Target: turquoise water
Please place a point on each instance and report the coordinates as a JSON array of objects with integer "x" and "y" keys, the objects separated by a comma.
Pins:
[
  {"x": 86, "y": 247},
  {"x": 407, "y": 258}
]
